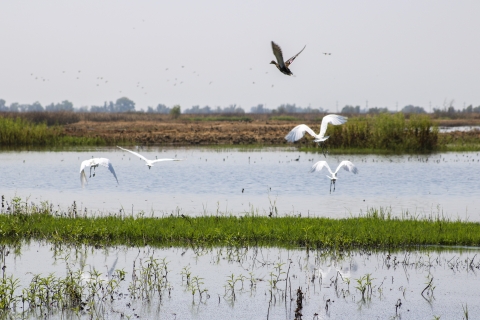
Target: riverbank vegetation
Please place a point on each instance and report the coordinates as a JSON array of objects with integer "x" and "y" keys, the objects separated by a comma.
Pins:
[
  {"x": 22, "y": 132},
  {"x": 377, "y": 229},
  {"x": 370, "y": 133}
]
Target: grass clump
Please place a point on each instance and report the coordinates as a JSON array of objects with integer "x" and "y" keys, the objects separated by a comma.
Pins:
[
  {"x": 21, "y": 132},
  {"x": 375, "y": 230},
  {"x": 391, "y": 133}
]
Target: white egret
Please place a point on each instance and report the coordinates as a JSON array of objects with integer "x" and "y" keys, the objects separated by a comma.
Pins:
[
  {"x": 298, "y": 132},
  {"x": 347, "y": 165},
  {"x": 94, "y": 163},
  {"x": 149, "y": 163}
]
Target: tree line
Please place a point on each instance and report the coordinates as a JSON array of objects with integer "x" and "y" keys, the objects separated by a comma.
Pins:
[{"x": 124, "y": 104}]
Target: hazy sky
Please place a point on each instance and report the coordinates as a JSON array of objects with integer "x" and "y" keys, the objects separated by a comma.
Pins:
[{"x": 386, "y": 52}]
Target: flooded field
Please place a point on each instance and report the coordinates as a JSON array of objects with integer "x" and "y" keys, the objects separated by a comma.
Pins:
[
  {"x": 240, "y": 283},
  {"x": 235, "y": 181}
]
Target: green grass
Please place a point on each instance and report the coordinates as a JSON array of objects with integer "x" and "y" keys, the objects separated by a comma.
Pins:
[
  {"x": 375, "y": 230},
  {"x": 391, "y": 132},
  {"x": 22, "y": 132}
]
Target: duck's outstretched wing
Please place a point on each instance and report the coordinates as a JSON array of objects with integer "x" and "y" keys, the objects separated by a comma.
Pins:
[
  {"x": 277, "y": 52},
  {"x": 106, "y": 163},
  {"x": 289, "y": 61},
  {"x": 133, "y": 152},
  {"x": 317, "y": 166},
  {"x": 332, "y": 119},
  {"x": 298, "y": 132},
  {"x": 348, "y": 166}
]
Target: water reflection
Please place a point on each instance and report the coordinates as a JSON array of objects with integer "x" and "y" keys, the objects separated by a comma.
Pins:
[
  {"x": 235, "y": 181},
  {"x": 239, "y": 283}
]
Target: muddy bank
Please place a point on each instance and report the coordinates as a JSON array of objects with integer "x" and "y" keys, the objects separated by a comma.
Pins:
[{"x": 185, "y": 133}]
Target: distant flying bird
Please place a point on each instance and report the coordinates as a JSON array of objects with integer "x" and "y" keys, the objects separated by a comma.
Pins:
[
  {"x": 280, "y": 64},
  {"x": 347, "y": 165},
  {"x": 299, "y": 131},
  {"x": 327, "y": 53},
  {"x": 149, "y": 163},
  {"x": 94, "y": 163}
]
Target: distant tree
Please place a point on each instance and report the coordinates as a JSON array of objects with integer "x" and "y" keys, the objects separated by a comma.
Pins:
[
  {"x": 14, "y": 107},
  {"x": 351, "y": 109},
  {"x": 176, "y": 111},
  {"x": 161, "y": 108},
  {"x": 412, "y": 109},
  {"x": 36, "y": 106},
  {"x": 124, "y": 105},
  {"x": 63, "y": 106},
  {"x": 260, "y": 109},
  {"x": 233, "y": 109},
  {"x": 378, "y": 110},
  {"x": 83, "y": 109},
  {"x": 198, "y": 110},
  {"x": 3, "y": 107}
]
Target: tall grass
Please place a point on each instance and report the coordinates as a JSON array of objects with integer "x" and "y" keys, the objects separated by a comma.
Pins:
[
  {"x": 21, "y": 132},
  {"x": 390, "y": 132},
  {"x": 375, "y": 230}
]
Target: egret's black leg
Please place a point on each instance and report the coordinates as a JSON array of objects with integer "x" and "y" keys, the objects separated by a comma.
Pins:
[
  {"x": 91, "y": 172},
  {"x": 94, "y": 171},
  {"x": 330, "y": 186},
  {"x": 333, "y": 186}
]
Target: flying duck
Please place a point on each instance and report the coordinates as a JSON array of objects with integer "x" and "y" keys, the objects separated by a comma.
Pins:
[{"x": 282, "y": 66}]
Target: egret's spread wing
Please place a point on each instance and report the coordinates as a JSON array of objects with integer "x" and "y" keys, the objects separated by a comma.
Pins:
[
  {"x": 333, "y": 119},
  {"x": 277, "y": 52},
  {"x": 132, "y": 152},
  {"x": 348, "y": 166},
  {"x": 106, "y": 163},
  {"x": 298, "y": 132},
  {"x": 84, "y": 164},
  {"x": 289, "y": 61},
  {"x": 83, "y": 177},
  {"x": 317, "y": 166},
  {"x": 159, "y": 160}
]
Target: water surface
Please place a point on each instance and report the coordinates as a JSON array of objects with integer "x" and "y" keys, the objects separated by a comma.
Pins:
[
  {"x": 325, "y": 278},
  {"x": 238, "y": 180}
]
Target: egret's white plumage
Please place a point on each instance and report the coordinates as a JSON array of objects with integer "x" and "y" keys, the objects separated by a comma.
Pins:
[
  {"x": 94, "y": 163},
  {"x": 346, "y": 165},
  {"x": 299, "y": 131},
  {"x": 149, "y": 163}
]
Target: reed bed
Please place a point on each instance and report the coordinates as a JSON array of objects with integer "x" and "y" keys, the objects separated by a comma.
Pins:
[
  {"x": 22, "y": 132},
  {"x": 375, "y": 230},
  {"x": 385, "y": 132}
]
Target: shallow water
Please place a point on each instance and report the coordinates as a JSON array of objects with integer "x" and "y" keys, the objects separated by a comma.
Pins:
[
  {"x": 324, "y": 278},
  {"x": 458, "y": 128},
  {"x": 212, "y": 180}
]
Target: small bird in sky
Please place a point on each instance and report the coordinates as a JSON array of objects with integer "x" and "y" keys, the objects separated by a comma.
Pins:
[{"x": 280, "y": 64}]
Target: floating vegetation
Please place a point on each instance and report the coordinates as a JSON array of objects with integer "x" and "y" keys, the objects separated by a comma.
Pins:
[{"x": 377, "y": 229}]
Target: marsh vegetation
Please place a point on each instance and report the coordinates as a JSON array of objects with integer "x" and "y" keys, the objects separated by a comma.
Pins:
[{"x": 377, "y": 133}]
